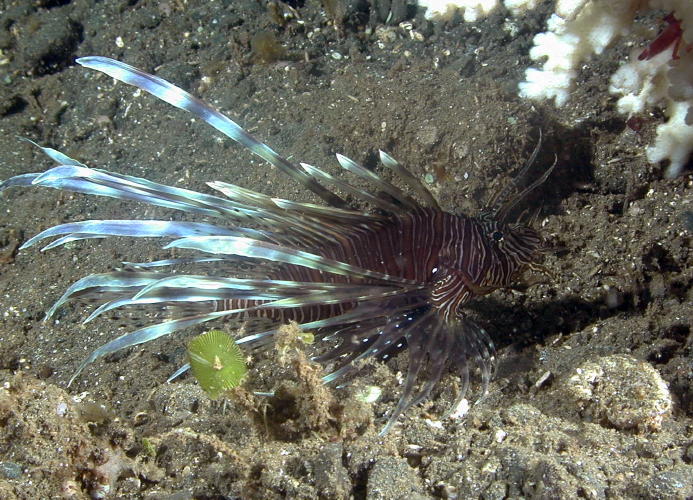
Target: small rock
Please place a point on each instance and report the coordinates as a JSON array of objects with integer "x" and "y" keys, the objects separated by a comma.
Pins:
[
  {"x": 331, "y": 477},
  {"x": 671, "y": 484},
  {"x": 392, "y": 477},
  {"x": 10, "y": 470},
  {"x": 179, "y": 401},
  {"x": 620, "y": 391},
  {"x": 428, "y": 136}
]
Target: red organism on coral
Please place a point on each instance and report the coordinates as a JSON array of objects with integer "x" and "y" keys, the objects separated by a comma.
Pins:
[{"x": 672, "y": 34}]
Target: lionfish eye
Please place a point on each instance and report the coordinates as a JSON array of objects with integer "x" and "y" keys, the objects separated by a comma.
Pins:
[{"x": 497, "y": 236}]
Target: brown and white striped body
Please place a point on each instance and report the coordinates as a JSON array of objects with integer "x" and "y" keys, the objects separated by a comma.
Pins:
[{"x": 453, "y": 257}]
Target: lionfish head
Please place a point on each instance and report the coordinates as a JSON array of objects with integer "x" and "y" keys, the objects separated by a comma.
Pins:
[
  {"x": 515, "y": 245},
  {"x": 522, "y": 245},
  {"x": 510, "y": 250}
]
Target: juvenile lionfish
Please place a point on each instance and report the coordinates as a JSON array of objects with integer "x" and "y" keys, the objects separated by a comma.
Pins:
[{"x": 375, "y": 282}]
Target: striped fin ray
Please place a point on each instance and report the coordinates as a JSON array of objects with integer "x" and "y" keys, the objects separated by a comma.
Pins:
[
  {"x": 247, "y": 247},
  {"x": 182, "y": 288},
  {"x": 70, "y": 238},
  {"x": 283, "y": 293},
  {"x": 301, "y": 223},
  {"x": 243, "y": 195},
  {"x": 102, "y": 183},
  {"x": 181, "y": 99},
  {"x": 395, "y": 192},
  {"x": 250, "y": 197},
  {"x": 22, "y": 180},
  {"x": 331, "y": 213},
  {"x": 147, "y": 334},
  {"x": 115, "y": 282},
  {"x": 360, "y": 193},
  {"x": 164, "y": 299},
  {"x": 409, "y": 179},
  {"x": 110, "y": 184},
  {"x": 54, "y": 154},
  {"x": 172, "y": 262},
  {"x": 344, "y": 294},
  {"x": 133, "y": 228},
  {"x": 362, "y": 312},
  {"x": 152, "y": 332}
]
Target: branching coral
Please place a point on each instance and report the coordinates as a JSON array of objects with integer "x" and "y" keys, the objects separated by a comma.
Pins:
[
  {"x": 472, "y": 10},
  {"x": 662, "y": 75}
]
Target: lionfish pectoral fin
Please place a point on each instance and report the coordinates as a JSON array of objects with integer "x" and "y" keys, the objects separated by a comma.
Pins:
[
  {"x": 429, "y": 354},
  {"x": 54, "y": 154},
  {"x": 146, "y": 334},
  {"x": 386, "y": 337},
  {"x": 118, "y": 281},
  {"x": 124, "y": 187},
  {"x": 130, "y": 228},
  {"x": 441, "y": 345},
  {"x": 479, "y": 346},
  {"x": 181, "y": 99},
  {"x": 279, "y": 205}
]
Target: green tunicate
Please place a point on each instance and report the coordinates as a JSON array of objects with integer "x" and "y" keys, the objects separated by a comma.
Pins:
[
  {"x": 307, "y": 337},
  {"x": 217, "y": 362}
]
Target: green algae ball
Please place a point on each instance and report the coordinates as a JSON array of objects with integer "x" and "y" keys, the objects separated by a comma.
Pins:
[{"x": 217, "y": 362}]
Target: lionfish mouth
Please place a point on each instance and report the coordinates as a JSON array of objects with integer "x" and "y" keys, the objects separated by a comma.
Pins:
[{"x": 337, "y": 270}]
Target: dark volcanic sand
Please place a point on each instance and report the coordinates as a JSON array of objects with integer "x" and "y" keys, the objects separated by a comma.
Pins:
[{"x": 576, "y": 407}]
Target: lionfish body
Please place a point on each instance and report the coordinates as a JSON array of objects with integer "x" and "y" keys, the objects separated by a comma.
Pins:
[{"x": 375, "y": 282}]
